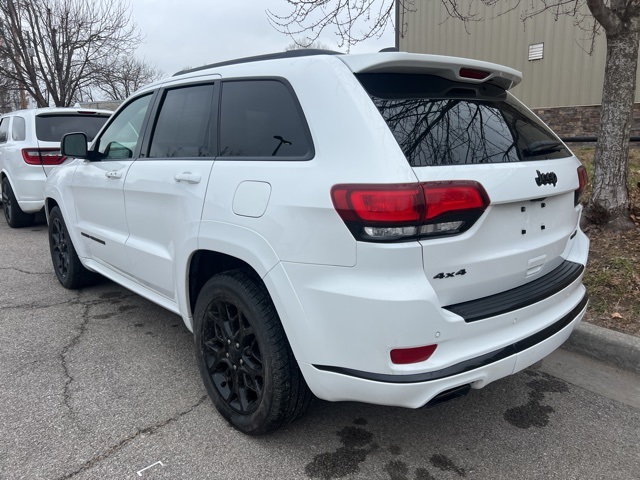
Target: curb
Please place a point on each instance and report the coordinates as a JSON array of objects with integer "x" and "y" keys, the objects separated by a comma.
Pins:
[{"x": 613, "y": 347}]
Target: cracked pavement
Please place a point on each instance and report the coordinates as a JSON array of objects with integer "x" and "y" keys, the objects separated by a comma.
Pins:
[{"x": 101, "y": 384}]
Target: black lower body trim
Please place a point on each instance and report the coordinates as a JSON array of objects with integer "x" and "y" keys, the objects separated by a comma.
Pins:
[
  {"x": 101, "y": 242},
  {"x": 471, "y": 364},
  {"x": 528, "y": 294}
]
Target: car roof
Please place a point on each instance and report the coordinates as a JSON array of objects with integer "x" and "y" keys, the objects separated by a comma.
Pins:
[
  {"x": 57, "y": 111},
  {"x": 453, "y": 68}
]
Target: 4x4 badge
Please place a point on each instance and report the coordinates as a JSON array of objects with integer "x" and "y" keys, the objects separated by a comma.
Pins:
[{"x": 546, "y": 178}]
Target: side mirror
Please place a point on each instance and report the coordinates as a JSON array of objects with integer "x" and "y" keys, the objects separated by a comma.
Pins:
[
  {"x": 74, "y": 145},
  {"x": 3, "y": 137}
]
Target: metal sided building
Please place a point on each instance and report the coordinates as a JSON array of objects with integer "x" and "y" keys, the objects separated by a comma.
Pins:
[{"x": 562, "y": 82}]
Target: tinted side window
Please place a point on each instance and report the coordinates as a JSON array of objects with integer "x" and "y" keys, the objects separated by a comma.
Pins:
[
  {"x": 121, "y": 137},
  {"x": 262, "y": 118},
  {"x": 4, "y": 129},
  {"x": 184, "y": 123},
  {"x": 18, "y": 129}
]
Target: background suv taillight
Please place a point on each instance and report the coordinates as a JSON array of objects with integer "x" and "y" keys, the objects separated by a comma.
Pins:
[
  {"x": 400, "y": 212},
  {"x": 50, "y": 156},
  {"x": 583, "y": 179}
]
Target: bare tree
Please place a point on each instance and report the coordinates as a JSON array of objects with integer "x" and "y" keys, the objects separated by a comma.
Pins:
[
  {"x": 353, "y": 21},
  {"x": 56, "y": 48},
  {"x": 300, "y": 45},
  {"x": 357, "y": 20},
  {"x": 123, "y": 77}
]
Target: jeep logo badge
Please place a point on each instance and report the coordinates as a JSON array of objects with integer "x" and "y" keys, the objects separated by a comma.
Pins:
[{"x": 546, "y": 178}]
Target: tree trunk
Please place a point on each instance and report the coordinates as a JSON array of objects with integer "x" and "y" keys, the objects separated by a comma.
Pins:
[{"x": 609, "y": 201}]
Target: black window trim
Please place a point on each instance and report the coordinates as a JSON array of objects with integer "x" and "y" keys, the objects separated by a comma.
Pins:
[{"x": 305, "y": 125}]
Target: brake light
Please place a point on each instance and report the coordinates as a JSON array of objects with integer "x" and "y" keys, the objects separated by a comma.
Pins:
[
  {"x": 583, "y": 179},
  {"x": 454, "y": 196},
  {"x": 409, "y": 211},
  {"x": 380, "y": 204},
  {"x": 50, "y": 156},
  {"x": 473, "y": 73},
  {"x": 403, "y": 356}
]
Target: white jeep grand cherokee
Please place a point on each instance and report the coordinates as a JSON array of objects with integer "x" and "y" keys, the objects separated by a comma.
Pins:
[{"x": 388, "y": 228}]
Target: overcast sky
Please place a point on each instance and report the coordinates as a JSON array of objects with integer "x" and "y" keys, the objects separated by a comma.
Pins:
[{"x": 191, "y": 33}]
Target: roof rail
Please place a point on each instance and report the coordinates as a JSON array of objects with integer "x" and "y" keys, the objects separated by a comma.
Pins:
[{"x": 270, "y": 56}]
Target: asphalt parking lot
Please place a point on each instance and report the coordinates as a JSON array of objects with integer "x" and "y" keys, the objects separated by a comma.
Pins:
[{"x": 102, "y": 384}]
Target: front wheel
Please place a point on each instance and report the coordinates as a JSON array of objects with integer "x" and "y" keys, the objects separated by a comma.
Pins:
[
  {"x": 244, "y": 357},
  {"x": 13, "y": 214},
  {"x": 66, "y": 264}
]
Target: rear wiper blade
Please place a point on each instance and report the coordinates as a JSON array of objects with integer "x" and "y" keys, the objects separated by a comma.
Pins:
[{"x": 542, "y": 146}]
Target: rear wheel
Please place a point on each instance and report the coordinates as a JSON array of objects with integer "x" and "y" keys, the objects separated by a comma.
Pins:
[
  {"x": 244, "y": 357},
  {"x": 14, "y": 215},
  {"x": 66, "y": 264}
]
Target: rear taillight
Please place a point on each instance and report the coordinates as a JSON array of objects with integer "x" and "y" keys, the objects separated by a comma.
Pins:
[
  {"x": 49, "y": 156},
  {"x": 400, "y": 212},
  {"x": 583, "y": 179}
]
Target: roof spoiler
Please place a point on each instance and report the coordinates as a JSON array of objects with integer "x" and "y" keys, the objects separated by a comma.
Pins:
[{"x": 451, "y": 68}]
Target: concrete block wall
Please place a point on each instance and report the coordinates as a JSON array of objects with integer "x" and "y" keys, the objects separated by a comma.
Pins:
[{"x": 581, "y": 121}]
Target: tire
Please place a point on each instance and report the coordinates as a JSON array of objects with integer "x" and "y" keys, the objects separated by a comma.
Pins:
[
  {"x": 244, "y": 357},
  {"x": 14, "y": 215},
  {"x": 66, "y": 264}
]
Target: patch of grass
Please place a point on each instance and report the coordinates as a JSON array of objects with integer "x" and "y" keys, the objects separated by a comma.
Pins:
[{"x": 612, "y": 277}]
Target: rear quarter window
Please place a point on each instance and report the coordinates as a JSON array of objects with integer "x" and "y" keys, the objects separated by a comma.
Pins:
[
  {"x": 4, "y": 129},
  {"x": 51, "y": 128},
  {"x": 261, "y": 119},
  {"x": 440, "y": 122},
  {"x": 18, "y": 129}
]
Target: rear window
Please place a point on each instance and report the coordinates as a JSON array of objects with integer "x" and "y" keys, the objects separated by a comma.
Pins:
[
  {"x": 440, "y": 122},
  {"x": 51, "y": 128}
]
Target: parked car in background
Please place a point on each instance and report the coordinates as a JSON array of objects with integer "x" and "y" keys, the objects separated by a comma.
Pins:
[
  {"x": 30, "y": 148},
  {"x": 388, "y": 228}
]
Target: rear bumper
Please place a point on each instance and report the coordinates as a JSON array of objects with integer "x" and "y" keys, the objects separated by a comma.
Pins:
[
  {"x": 29, "y": 189},
  {"x": 342, "y": 323},
  {"x": 414, "y": 391}
]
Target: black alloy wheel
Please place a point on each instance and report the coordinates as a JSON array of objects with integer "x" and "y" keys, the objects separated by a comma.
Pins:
[
  {"x": 66, "y": 264},
  {"x": 59, "y": 248},
  {"x": 6, "y": 202},
  {"x": 13, "y": 214},
  {"x": 244, "y": 357},
  {"x": 232, "y": 356}
]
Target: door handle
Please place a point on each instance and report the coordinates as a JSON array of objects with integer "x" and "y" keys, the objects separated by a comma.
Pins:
[
  {"x": 187, "y": 177},
  {"x": 115, "y": 174}
]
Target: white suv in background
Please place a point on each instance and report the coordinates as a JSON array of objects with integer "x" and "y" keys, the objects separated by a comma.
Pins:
[
  {"x": 388, "y": 228},
  {"x": 30, "y": 148}
]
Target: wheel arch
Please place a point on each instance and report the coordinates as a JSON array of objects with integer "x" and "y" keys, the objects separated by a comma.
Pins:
[
  {"x": 49, "y": 203},
  {"x": 204, "y": 264},
  {"x": 3, "y": 175},
  {"x": 222, "y": 247}
]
